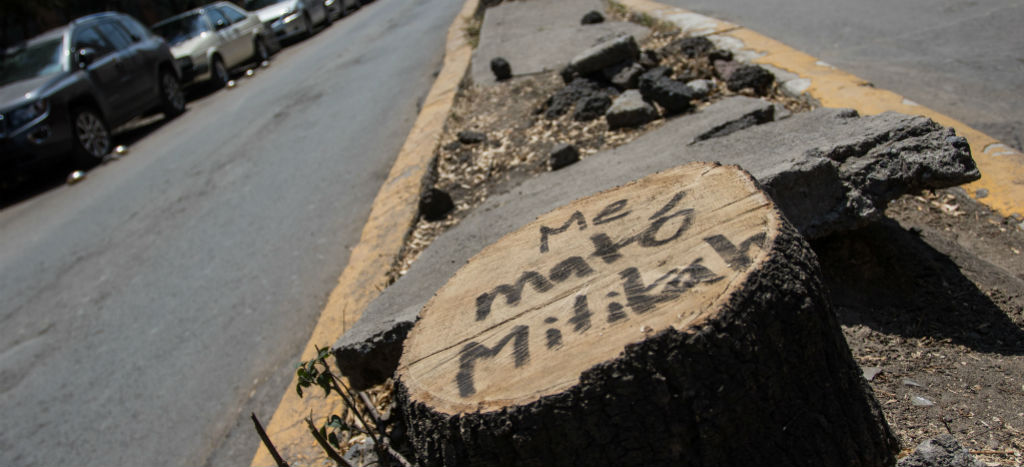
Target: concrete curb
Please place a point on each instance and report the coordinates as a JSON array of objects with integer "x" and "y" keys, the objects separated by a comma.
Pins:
[
  {"x": 394, "y": 213},
  {"x": 1001, "y": 186}
]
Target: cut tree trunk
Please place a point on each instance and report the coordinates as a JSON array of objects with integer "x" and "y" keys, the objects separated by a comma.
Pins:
[{"x": 678, "y": 319}]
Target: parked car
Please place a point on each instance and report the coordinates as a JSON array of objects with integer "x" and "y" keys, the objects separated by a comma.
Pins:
[
  {"x": 63, "y": 91},
  {"x": 209, "y": 41},
  {"x": 338, "y": 8},
  {"x": 290, "y": 19}
]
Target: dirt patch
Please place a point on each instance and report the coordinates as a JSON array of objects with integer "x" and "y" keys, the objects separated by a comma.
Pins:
[{"x": 933, "y": 301}]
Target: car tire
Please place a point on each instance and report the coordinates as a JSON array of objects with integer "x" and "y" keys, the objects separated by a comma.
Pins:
[
  {"x": 260, "y": 51},
  {"x": 90, "y": 137},
  {"x": 219, "y": 75},
  {"x": 328, "y": 20},
  {"x": 172, "y": 98}
]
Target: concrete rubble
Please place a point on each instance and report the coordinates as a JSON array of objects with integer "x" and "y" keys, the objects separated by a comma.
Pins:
[{"x": 942, "y": 451}]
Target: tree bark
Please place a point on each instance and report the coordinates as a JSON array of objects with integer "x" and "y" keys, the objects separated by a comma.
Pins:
[{"x": 732, "y": 357}]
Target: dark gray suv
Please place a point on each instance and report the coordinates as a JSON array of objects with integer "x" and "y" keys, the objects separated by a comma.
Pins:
[{"x": 63, "y": 91}]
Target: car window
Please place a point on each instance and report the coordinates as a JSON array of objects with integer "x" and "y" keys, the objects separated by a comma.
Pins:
[
  {"x": 90, "y": 37},
  {"x": 233, "y": 15},
  {"x": 116, "y": 34},
  {"x": 135, "y": 29},
  {"x": 216, "y": 16}
]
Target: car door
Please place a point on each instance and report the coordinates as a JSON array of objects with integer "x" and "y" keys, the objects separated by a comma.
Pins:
[
  {"x": 244, "y": 27},
  {"x": 104, "y": 69},
  {"x": 230, "y": 42},
  {"x": 137, "y": 80}
]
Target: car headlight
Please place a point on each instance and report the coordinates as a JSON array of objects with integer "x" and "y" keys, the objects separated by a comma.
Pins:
[
  {"x": 292, "y": 17},
  {"x": 21, "y": 116}
]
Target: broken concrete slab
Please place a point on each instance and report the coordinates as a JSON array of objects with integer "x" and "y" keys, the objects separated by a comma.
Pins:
[
  {"x": 828, "y": 170},
  {"x": 605, "y": 54},
  {"x": 536, "y": 36},
  {"x": 629, "y": 110}
]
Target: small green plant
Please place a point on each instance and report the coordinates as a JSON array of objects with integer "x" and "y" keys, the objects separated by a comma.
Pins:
[{"x": 335, "y": 430}]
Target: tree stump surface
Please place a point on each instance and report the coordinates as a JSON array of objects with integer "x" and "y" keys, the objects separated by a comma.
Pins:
[{"x": 677, "y": 318}]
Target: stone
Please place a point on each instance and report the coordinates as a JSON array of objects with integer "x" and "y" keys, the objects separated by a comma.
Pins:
[
  {"x": 629, "y": 110},
  {"x": 828, "y": 170},
  {"x": 625, "y": 75},
  {"x": 672, "y": 95},
  {"x": 471, "y": 137},
  {"x": 941, "y": 451},
  {"x": 501, "y": 69},
  {"x": 647, "y": 79},
  {"x": 605, "y": 54},
  {"x": 565, "y": 98},
  {"x": 720, "y": 54},
  {"x": 690, "y": 47},
  {"x": 591, "y": 107},
  {"x": 701, "y": 87},
  {"x": 725, "y": 68},
  {"x": 649, "y": 58},
  {"x": 750, "y": 76},
  {"x": 564, "y": 155},
  {"x": 435, "y": 205},
  {"x": 592, "y": 17}
]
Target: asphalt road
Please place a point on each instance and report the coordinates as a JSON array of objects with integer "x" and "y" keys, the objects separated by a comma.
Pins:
[
  {"x": 964, "y": 58},
  {"x": 147, "y": 310}
]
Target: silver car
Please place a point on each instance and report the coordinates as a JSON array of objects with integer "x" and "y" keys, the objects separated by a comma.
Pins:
[
  {"x": 208, "y": 42},
  {"x": 290, "y": 19}
]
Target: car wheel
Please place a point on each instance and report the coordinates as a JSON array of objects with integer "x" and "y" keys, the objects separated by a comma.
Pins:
[
  {"x": 91, "y": 137},
  {"x": 171, "y": 95},
  {"x": 220, "y": 76},
  {"x": 261, "y": 52}
]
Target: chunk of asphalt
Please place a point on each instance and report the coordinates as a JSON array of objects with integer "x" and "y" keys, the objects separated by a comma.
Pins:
[
  {"x": 941, "y": 451},
  {"x": 629, "y": 110},
  {"x": 606, "y": 54},
  {"x": 471, "y": 137},
  {"x": 690, "y": 47},
  {"x": 592, "y": 17},
  {"x": 567, "y": 97},
  {"x": 501, "y": 69},
  {"x": 591, "y": 107},
  {"x": 750, "y": 76},
  {"x": 828, "y": 170},
  {"x": 563, "y": 155},
  {"x": 672, "y": 95},
  {"x": 625, "y": 75}
]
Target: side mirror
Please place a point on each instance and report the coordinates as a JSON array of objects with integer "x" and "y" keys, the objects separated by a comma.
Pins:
[
  {"x": 86, "y": 55},
  {"x": 221, "y": 24}
]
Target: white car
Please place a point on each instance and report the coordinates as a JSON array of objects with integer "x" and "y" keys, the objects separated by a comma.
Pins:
[
  {"x": 209, "y": 41},
  {"x": 290, "y": 18}
]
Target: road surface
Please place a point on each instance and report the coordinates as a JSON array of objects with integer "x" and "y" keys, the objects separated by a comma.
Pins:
[
  {"x": 964, "y": 58},
  {"x": 147, "y": 310}
]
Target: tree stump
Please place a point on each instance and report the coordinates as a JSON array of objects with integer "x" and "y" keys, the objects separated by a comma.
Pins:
[{"x": 678, "y": 319}]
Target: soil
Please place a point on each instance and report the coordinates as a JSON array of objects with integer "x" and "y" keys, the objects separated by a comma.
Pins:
[{"x": 931, "y": 299}]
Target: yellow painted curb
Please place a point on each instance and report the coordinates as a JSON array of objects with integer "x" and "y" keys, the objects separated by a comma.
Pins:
[
  {"x": 391, "y": 219},
  {"x": 1002, "y": 167}
]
